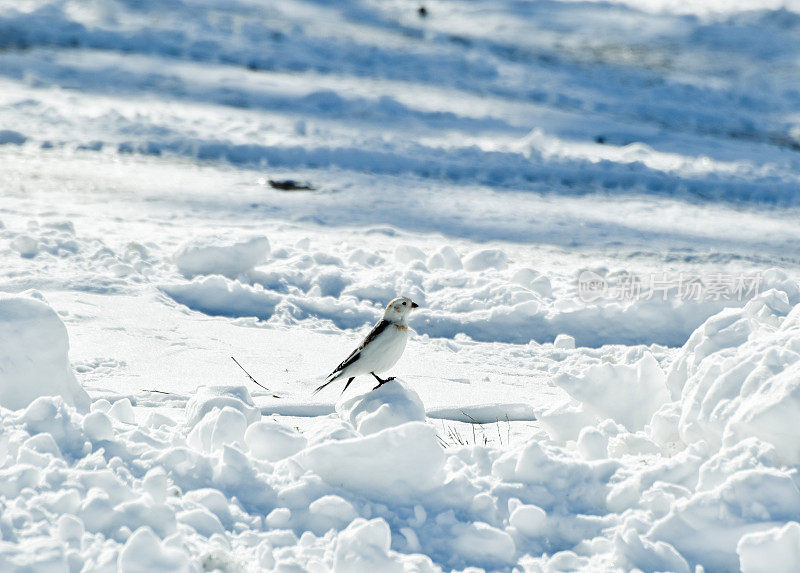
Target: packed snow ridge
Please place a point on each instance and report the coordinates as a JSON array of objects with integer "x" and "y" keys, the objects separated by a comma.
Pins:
[
  {"x": 480, "y": 158},
  {"x": 643, "y": 468},
  {"x": 479, "y": 293}
]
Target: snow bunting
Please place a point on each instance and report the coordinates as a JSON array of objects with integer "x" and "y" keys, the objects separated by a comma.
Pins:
[{"x": 382, "y": 347}]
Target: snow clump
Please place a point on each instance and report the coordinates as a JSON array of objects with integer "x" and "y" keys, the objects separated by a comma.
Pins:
[
  {"x": 34, "y": 357},
  {"x": 216, "y": 255}
]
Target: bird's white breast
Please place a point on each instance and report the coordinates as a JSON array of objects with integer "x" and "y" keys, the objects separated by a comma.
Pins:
[{"x": 382, "y": 352}]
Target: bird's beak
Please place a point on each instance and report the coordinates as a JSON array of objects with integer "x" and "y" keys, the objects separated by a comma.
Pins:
[{"x": 414, "y": 305}]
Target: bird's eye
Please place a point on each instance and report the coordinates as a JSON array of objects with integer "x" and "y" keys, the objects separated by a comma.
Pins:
[{"x": 404, "y": 304}]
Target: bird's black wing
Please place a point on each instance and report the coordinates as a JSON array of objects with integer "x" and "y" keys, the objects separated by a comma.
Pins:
[{"x": 373, "y": 334}]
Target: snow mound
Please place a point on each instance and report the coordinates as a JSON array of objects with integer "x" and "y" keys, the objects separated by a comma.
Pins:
[
  {"x": 399, "y": 463},
  {"x": 629, "y": 395},
  {"x": 564, "y": 342},
  {"x": 486, "y": 259},
  {"x": 208, "y": 398},
  {"x": 365, "y": 546},
  {"x": 445, "y": 258},
  {"x": 217, "y": 429},
  {"x": 390, "y": 405},
  {"x": 269, "y": 440},
  {"x": 776, "y": 550},
  {"x": 144, "y": 552},
  {"x": 97, "y": 427},
  {"x": 219, "y": 256},
  {"x": 218, "y": 296},
  {"x": 34, "y": 358},
  {"x": 747, "y": 501},
  {"x": 25, "y": 245},
  {"x": 739, "y": 377}
]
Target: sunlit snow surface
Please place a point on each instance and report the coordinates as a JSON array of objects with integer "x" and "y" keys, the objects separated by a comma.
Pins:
[{"x": 479, "y": 160}]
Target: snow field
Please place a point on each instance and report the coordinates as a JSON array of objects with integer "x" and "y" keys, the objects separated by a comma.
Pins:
[
  {"x": 479, "y": 159},
  {"x": 479, "y": 294},
  {"x": 650, "y": 442},
  {"x": 487, "y": 294},
  {"x": 226, "y": 486}
]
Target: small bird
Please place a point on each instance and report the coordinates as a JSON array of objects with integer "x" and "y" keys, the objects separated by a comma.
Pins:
[{"x": 380, "y": 349}]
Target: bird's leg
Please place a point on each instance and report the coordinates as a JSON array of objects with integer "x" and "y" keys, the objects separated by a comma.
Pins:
[
  {"x": 348, "y": 384},
  {"x": 381, "y": 382}
]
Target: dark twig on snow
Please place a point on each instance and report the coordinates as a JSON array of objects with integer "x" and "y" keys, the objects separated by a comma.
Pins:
[
  {"x": 290, "y": 185},
  {"x": 473, "y": 423},
  {"x": 473, "y": 420},
  {"x": 256, "y": 382}
]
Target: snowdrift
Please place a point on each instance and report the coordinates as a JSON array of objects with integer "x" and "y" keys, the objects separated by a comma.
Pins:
[
  {"x": 479, "y": 293},
  {"x": 645, "y": 468},
  {"x": 724, "y": 419},
  {"x": 33, "y": 354}
]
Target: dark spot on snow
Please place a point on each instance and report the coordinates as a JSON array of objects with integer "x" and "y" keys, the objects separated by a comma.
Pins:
[
  {"x": 12, "y": 137},
  {"x": 600, "y": 139},
  {"x": 290, "y": 185},
  {"x": 460, "y": 40},
  {"x": 422, "y": 11},
  {"x": 91, "y": 146}
]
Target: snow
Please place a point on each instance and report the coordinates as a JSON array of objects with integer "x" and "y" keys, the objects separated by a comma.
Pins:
[
  {"x": 520, "y": 170},
  {"x": 34, "y": 357},
  {"x": 206, "y": 399},
  {"x": 212, "y": 255},
  {"x": 529, "y": 520},
  {"x": 392, "y": 404},
  {"x": 777, "y": 549},
  {"x": 98, "y": 427},
  {"x": 145, "y": 552},
  {"x": 219, "y": 296},
  {"x": 411, "y": 465},
  {"x": 269, "y": 440},
  {"x": 564, "y": 342},
  {"x": 364, "y": 546},
  {"x": 486, "y": 259},
  {"x": 627, "y": 394}
]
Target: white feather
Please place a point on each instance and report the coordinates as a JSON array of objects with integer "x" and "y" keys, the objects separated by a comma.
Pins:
[{"x": 380, "y": 354}]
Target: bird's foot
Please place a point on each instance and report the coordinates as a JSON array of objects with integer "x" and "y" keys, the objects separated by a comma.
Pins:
[{"x": 381, "y": 382}]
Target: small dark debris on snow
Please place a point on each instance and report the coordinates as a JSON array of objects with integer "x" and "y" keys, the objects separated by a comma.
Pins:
[
  {"x": 422, "y": 11},
  {"x": 460, "y": 40},
  {"x": 289, "y": 185},
  {"x": 600, "y": 139}
]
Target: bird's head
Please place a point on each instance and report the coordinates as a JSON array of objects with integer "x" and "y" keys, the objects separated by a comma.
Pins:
[{"x": 399, "y": 309}]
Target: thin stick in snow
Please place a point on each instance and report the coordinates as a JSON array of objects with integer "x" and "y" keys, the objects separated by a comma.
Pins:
[
  {"x": 253, "y": 379},
  {"x": 473, "y": 424}
]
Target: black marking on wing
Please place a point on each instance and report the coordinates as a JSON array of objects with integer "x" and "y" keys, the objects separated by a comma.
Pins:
[{"x": 376, "y": 330}]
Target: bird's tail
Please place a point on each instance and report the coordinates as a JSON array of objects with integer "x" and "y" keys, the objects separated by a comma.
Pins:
[{"x": 332, "y": 379}]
